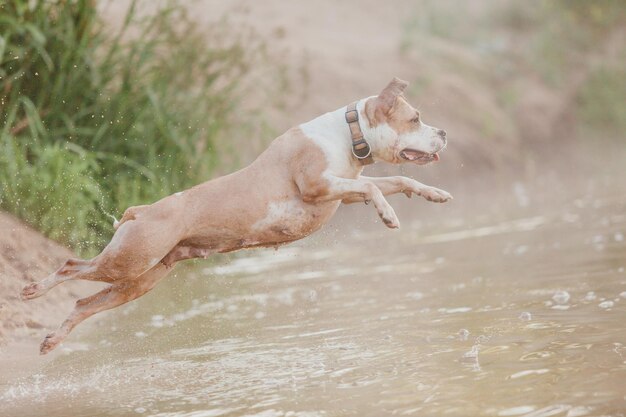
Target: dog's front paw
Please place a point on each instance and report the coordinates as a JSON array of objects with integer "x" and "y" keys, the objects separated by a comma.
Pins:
[
  {"x": 388, "y": 216},
  {"x": 435, "y": 195}
]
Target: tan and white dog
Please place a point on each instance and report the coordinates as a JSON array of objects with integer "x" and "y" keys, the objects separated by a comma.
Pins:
[{"x": 287, "y": 193}]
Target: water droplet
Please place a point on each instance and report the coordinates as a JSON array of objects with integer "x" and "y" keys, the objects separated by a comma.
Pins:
[
  {"x": 590, "y": 296},
  {"x": 526, "y": 316},
  {"x": 622, "y": 294},
  {"x": 606, "y": 304},
  {"x": 520, "y": 250},
  {"x": 561, "y": 297},
  {"x": 472, "y": 353},
  {"x": 521, "y": 195},
  {"x": 415, "y": 295}
]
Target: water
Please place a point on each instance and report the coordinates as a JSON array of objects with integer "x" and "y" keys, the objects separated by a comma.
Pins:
[{"x": 516, "y": 316}]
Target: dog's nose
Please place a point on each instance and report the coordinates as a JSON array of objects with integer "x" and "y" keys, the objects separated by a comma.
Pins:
[{"x": 442, "y": 133}]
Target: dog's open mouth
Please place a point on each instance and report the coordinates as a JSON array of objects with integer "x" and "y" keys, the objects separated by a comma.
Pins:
[{"x": 419, "y": 157}]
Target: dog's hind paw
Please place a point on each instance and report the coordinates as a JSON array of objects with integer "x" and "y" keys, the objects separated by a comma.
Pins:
[
  {"x": 31, "y": 291},
  {"x": 50, "y": 342}
]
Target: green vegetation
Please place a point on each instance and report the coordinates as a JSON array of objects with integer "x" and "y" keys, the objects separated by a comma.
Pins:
[
  {"x": 601, "y": 102},
  {"x": 572, "y": 39},
  {"x": 93, "y": 123},
  {"x": 571, "y": 50}
]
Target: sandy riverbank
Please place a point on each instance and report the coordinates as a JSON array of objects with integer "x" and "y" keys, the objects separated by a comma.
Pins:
[{"x": 27, "y": 256}]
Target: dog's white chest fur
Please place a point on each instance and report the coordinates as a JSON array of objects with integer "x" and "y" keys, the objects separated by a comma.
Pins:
[{"x": 293, "y": 219}]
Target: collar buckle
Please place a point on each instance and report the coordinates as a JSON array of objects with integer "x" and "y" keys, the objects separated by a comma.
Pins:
[{"x": 360, "y": 148}]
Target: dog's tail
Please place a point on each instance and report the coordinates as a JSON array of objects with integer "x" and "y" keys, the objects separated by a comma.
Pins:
[
  {"x": 116, "y": 223},
  {"x": 131, "y": 213}
]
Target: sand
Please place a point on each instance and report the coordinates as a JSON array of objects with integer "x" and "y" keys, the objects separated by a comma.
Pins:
[{"x": 27, "y": 256}]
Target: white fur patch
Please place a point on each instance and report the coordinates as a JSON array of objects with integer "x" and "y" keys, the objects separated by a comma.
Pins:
[
  {"x": 379, "y": 136},
  {"x": 383, "y": 140},
  {"x": 425, "y": 139},
  {"x": 331, "y": 133},
  {"x": 280, "y": 212}
]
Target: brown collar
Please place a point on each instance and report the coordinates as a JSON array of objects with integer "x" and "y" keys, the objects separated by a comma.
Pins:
[{"x": 360, "y": 148}]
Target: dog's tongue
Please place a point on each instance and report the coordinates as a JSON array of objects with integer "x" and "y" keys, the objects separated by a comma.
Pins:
[{"x": 435, "y": 157}]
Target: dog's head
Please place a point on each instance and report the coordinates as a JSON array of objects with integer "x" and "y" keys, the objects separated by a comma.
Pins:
[{"x": 398, "y": 129}]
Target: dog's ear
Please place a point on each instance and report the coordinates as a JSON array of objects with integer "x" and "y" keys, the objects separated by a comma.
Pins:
[{"x": 387, "y": 97}]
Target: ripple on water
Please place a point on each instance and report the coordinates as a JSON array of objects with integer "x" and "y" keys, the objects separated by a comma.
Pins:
[
  {"x": 590, "y": 296},
  {"x": 558, "y": 409},
  {"x": 516, "y": 411},
  {"x": 533, "y": 356},
  {"x": 542, "y": 325},
  {"x": 472, "y": 354},
  {"x": 215, "y": 412},
  {"x": 454, "y": 310},
  {"x": 263, "y": 261},
  {"x": 528, "y": 372},
  {"x": 463, "y": 334}
]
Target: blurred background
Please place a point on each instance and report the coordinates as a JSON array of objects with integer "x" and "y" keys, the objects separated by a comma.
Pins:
[
  {"x": 121, "y": 103},
  {"x": 108, "y": 104}
]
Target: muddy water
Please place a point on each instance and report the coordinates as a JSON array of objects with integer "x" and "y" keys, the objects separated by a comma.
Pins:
[{"x": 517, "y": 315}]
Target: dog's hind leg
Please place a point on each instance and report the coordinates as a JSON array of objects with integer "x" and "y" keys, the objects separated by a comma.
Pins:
[
  {"x": 115, "y": 295},
  {"x": 67, "y": 272},
  {"x": 136, "y": 247}
]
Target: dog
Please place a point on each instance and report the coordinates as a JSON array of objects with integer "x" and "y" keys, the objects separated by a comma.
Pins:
[{"x": 287, "y": 193}]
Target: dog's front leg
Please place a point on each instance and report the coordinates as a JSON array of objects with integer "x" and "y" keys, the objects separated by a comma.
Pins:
[
  {"x": 408, "y": 186},
  {"x": 336, "y": 188}
]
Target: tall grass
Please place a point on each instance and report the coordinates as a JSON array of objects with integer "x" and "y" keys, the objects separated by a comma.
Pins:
[{"x": 93, "y": 123}]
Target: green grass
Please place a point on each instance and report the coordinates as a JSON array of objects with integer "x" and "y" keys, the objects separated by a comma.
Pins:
[
  {"x": 601, "y": 102},
  {"x": 93, "y": 123}
]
